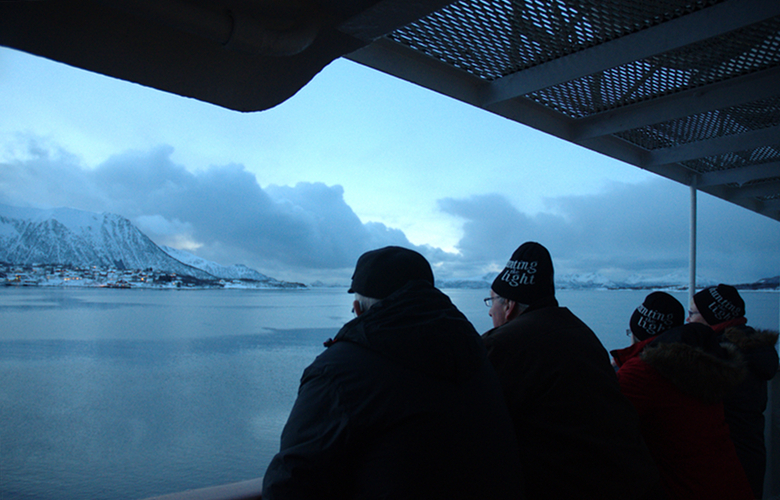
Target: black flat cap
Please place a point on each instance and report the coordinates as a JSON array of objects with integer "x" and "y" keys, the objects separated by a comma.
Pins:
[{"x": 381, "y": 272}]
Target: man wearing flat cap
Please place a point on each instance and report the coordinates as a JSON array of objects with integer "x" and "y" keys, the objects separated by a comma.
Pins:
[
  {"x": 578, "y": 436},
  {"x": 402, "y": 404}
]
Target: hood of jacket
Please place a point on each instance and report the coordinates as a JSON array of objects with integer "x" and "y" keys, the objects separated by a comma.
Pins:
[
  {"x": 757, "y": 347},
  {"x": 693, "y": 360},
  {"x": 419, "y": 327}
]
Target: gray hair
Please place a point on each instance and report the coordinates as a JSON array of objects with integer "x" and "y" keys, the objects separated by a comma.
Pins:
[
  {"x": 365, "y": 302},
  {"x": 520, "y": 308}
]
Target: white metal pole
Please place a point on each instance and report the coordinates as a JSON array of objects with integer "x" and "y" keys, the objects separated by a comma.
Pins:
[{"x": 692, "y": 258}]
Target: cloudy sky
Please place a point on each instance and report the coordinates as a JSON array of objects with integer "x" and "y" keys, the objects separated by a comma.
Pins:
[{"x": 356, "y": 160}]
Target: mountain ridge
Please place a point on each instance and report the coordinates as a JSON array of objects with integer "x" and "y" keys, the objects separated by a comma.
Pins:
[
  {"x": 82, "y": 239},
  {"x": 76, "y": 238}
]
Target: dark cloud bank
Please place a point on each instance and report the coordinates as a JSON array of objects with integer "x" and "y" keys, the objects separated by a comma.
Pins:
[{"x": 308, "y": 232}]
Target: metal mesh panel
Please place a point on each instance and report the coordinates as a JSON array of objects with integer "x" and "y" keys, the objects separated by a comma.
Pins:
[
  {"x": 493, "y": 39},
  {"x": 735, "y": 159},
  {"x": 770, "y": 197},
  {"x": 734, "y": 120},
  {"x": 764, "y": 182},
  {"x": 759, "y": 182},
  {"x": 736, "y": 53}
]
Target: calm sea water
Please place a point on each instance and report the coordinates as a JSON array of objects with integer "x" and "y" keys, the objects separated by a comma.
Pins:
[{"x": 125, "y": 394}]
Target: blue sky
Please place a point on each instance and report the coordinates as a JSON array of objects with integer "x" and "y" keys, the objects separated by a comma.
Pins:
[{"x": 355, "y": 160}]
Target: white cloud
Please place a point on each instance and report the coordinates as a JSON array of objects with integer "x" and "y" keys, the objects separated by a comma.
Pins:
[
  {"x": 308, "y": 231},
  {"x": 627, "y": 229},
  {"x": 221, "y": 211},
  {"x": 172, "y": 233}
]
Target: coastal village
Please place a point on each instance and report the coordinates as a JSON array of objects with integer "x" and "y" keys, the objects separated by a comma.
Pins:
[
  {"x": 109, "y": 277},
  {"x": 105, "y": 277}
]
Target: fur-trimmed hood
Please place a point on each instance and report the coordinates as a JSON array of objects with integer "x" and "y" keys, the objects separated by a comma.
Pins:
[
  {"x": 748, "y": 338},
  {"x": 757, "y": 347},
  {"x": 691, "y": 358}
]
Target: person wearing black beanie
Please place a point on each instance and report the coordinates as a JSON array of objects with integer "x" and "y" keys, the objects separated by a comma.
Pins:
[
  {"x": 578, "y": 436},
  {"x": 722, "y": 308},
  {"x": 658, "y": 313},
  {"x": 528, "y": 276},
  {"x": 677, "y": 381},
  {"x": 716, "y": 305}
]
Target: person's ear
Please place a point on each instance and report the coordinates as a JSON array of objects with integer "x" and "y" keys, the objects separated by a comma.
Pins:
[
  {"x": 511, "y": 309},
  {"x": 356, "y": 308}
]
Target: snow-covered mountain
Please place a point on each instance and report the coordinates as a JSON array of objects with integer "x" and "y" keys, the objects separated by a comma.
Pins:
[
  {"x": 77, "y": 238},
  {"x": 474, "y": 283},
  {"x": 234, "y": 272},
  {"x": 587, "y": 280},
  {"x": 567, "y": 282},
  {"x": 590, "y": 281},
  {"x": 678, "y": 279}
]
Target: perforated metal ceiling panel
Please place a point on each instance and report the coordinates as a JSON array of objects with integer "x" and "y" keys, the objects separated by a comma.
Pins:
[{"x": 687, "y": 89}]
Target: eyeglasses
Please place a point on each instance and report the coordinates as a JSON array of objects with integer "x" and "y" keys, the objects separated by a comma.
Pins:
[
  {"x": 693, "y": 313},
  {"x": 489, "y": 300}
]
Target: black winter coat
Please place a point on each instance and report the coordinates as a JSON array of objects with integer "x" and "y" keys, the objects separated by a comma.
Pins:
[
  {"x": 579, "y": 436},
  {"x": 402, "y": 404},
  {"x": 745, "y": 405}
]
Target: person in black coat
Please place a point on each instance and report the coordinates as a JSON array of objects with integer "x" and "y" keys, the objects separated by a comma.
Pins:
[
  {"x": 402, "y": 404},
  {"x": 721, "y": 308},
  {"x": 579, "y": 437}
]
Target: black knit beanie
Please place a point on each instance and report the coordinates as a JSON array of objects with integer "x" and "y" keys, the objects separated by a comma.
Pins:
[
  {"x": 718, "y": 304},
  {"x": 528, "y": 276},
  {"x": 658, "y": 313}
]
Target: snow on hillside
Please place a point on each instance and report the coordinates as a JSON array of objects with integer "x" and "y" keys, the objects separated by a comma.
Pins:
[
  {"x": 234, "y": 272},
  {"x": 81, "y": 239}
]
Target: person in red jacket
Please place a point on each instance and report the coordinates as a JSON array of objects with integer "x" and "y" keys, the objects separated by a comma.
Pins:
[{"x": 677, "y": 378}]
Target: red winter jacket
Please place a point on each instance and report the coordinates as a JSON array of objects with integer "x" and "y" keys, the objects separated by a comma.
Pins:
[{"x": 677, "y": 381}]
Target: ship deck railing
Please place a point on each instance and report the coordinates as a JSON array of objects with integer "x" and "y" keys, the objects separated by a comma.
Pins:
[{"x": 250, "y": 490}]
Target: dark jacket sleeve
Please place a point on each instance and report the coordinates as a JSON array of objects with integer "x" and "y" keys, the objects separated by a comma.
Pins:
[{"x": 310, "y": 463}]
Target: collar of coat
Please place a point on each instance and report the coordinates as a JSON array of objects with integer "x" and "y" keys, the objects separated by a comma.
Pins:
[
  {"x": 418, "y": 327},
  {"x": 721, "y": 327}
]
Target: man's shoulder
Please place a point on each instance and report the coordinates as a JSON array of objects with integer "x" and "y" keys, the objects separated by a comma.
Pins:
[
  {"x": 339, "y": 355},
  {"x": 546, "y": 318},
  {"x": 346, "y": 366},
  {"x": 557, "y": 312},
  {"x": 528, "y": 324},
  {"x": 540, "y": 329}
]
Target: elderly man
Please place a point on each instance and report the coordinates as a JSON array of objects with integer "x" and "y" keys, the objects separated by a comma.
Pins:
[
  {"x": 402, "y": 404},
  {"x": 578, "y": 436}
]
